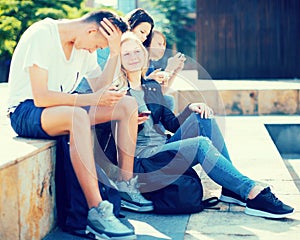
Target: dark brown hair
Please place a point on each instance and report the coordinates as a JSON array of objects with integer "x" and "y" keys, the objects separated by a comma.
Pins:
[
  {"x": 97, "y": 17},
  {"x": 138, "y": 16}
]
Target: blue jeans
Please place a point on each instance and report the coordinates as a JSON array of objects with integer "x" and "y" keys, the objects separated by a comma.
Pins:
[{"x": 200, "y": 141}]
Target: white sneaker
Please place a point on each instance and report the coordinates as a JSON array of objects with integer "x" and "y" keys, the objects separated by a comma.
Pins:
[
  {"x": 103, "y": 224},
  {"x": 131, "y": 198}
]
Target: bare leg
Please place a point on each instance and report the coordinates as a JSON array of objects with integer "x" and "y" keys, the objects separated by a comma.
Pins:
[
  {"x": 127, "y": 136},
  {"x": 126, "y": 114},
  {"x": 76, "y": 122},
  {"x": 255, "y": 191}
]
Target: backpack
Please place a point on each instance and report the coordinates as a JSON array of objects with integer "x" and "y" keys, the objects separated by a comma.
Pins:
[
  {"x": 173, "y": 193},
  {"x": 173, "y": 188},
  {"x": 72, "y": 208}
]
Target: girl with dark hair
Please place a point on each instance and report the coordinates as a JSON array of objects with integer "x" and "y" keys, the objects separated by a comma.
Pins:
[{"x": 142, "y": 24}]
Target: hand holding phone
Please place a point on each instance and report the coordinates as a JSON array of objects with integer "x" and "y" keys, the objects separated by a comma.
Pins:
[
  {"x": 144, "y": 113},
  {"x": 119, "y": 86}
]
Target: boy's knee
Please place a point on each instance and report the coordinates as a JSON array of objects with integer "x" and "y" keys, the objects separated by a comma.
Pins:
[
  {"x": 80, "y": 114},
  {"x": 129, "y": 103}
]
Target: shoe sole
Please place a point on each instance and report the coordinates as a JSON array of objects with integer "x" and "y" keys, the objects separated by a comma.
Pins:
[
  {"x": 258, "y": 213},
  {"x": 131, "y": 206},
  {"x": 95, "y": 235},
  {"x": 232, "y": 200}
]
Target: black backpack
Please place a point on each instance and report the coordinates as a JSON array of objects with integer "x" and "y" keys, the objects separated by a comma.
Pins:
[
  {"x": 173, "y": 193},
  {"x": 72, "y": 208},
  {"x": 175, "y": 188}
]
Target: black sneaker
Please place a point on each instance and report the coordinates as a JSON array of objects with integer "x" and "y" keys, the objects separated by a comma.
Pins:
[
  {"x": 265, "y": 204},
  {"x": 228, "y": 196}
]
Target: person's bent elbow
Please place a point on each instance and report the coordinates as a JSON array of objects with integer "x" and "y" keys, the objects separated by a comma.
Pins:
[{"x": 39, "y": 101}]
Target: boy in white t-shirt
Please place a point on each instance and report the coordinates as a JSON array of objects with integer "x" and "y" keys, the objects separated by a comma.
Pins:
[{"x": 48, "y": 62}]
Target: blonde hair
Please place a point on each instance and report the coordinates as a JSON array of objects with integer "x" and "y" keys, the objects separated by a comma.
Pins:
[{"x": 128, "y": 36}]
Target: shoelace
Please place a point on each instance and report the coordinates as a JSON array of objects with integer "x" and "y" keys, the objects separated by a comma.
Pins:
[
  {"x": 106, "y": 212},
  {"x": 273, "y": 199},
  {"x": 138, "y": 197},
  {"x": 133, "y": 186}
]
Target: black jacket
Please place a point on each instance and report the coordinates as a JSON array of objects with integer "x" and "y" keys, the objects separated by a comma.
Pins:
[{"x": 156, "y": 103}]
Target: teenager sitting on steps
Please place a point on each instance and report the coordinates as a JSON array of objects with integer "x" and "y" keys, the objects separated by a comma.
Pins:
[{"x": 48, "y": 62}]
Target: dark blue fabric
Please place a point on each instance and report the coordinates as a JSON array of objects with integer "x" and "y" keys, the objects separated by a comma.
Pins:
[
  {"x": 26, "y": 121},
  {"x": 169, "y": 181},
  {"x": 159, "y": 110},
  {"x": 72, "y": 208},
  {"x": 151, "y": 68}
]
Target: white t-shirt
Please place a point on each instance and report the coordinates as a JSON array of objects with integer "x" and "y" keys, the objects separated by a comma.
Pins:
[{"x": 41, "y": 45}]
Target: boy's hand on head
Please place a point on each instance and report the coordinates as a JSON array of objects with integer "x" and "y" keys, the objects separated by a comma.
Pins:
[{"x": 112, "y": 34}]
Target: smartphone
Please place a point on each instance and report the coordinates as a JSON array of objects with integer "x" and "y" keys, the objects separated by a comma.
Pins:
[
  {"x": 123, "y": 89},
  {"x": 144, "y": 114},
  {"x": 120, "y": 86}
]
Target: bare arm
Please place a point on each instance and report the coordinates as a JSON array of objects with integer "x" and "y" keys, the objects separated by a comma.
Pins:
[
  {"x": 43, "y": 97},
  {"x": 113, "y": 36},
  {"x": 175, "y": 65},
  {"x": 167, "y": 77}
]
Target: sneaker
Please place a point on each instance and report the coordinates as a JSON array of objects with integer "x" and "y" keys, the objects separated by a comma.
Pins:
[
  {"x": 228, "y": 196},
  {"x": 265, "y": 204},
  {"x": 103, "y": 224},
  {"x": 131, "y": 198}
]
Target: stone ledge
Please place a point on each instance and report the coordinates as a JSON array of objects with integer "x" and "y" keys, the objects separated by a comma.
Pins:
[
  {"x": 238, "y": 97},
  {"x": 27, "y": 192},
  {"x": 27, "y": 188},
  {"x": 16, "y": 149}
]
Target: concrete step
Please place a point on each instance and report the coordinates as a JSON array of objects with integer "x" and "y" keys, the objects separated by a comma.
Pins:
[
  {"x": 27, "y": 189},
  {"x": 238, "y": 97}
]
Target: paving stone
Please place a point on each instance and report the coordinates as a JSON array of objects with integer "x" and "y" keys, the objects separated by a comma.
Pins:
[{"x": 236, "y": 225}]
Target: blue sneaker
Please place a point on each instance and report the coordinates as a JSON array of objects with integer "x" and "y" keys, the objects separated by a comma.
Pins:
[{"x": 103, "y": 224}]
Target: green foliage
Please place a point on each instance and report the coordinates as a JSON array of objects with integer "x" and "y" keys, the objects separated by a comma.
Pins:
[
  {"x": 17, "y": 15},
  {"x": 174, "y": 19}
]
